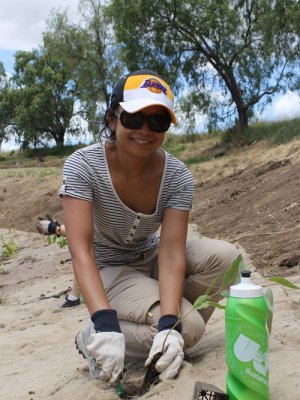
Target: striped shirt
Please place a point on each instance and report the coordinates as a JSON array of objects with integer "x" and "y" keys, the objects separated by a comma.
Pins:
[{"x": 121, "y": 234}]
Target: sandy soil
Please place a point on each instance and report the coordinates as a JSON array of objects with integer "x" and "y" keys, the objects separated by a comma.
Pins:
[{"x": 251, "y": 197}]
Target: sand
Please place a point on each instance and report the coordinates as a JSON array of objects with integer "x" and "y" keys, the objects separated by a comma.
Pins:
[{"x": 38, "y": 357}]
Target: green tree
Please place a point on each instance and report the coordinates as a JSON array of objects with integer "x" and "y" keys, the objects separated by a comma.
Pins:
[
  {"x": 89, "y": 48},
  {"x": 6, "y": 106},
  {"x": 43, "y": 97},
  {"x": 232, "y": 55}
]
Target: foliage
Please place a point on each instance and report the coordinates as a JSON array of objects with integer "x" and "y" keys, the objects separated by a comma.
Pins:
[
  {"x": 6, "y": 107},
  {"x": 232, "y": 277},
  {"x": 55, "y": 151},
  {"x": 9, "y": 246},
  {"x": 275, "y": 132},
  {"x": 61, "y": 241},
  {"x": 91, "y": 53},
  {"x": 44, "y": 97},
  {"x": 232, "y": 54}
]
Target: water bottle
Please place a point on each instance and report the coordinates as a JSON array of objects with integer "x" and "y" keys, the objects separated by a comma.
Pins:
[{"x": 247, "y": 342}]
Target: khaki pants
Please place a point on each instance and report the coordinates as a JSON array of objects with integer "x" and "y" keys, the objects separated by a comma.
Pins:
[{"x": 133, "y": 291}]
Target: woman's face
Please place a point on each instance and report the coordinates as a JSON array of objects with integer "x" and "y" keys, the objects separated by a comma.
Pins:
[{"x": 139, "y": 141}]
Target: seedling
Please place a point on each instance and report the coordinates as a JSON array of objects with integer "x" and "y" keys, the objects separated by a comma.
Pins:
[
  {"x": 61, "y": 241},
  {"x": 9, "y": 247},
  {"x": 2, "y": 298}
]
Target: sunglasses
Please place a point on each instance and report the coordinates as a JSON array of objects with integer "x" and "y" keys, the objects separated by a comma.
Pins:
[{"x": 157, "y": 122}]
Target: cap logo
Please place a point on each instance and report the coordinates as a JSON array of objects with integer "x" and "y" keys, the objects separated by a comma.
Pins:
[{"x": 154, "y": 85}]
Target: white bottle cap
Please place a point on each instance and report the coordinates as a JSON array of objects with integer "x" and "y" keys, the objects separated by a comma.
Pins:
[{"x": 246, "y": 289}]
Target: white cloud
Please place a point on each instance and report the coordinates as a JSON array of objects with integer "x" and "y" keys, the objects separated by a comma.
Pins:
[
  {"x": 22, "y": 22},
  {"x": 287, "y": 106},
  {"x": 283, "y": 107}
]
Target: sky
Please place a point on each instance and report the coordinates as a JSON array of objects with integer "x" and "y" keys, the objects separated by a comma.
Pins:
[{"x": 22, "y": 23}]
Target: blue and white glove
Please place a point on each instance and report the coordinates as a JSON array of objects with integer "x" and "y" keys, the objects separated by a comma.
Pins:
[
  {"x": 47, "y": 226},
  {"x": 107, "y": 345},
  {"x": 171, "y": 343}
]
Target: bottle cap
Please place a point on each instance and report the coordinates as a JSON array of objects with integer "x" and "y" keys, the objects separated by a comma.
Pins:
[{"x": 246, "y": 289}]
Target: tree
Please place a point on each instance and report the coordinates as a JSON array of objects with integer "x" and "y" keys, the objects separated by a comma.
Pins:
[
  {"x": 43, "y": 97},
  {"x": 6, "y": 106},
  {"x": 232, "y": 55},
  {"x": 89, "y": 48}
]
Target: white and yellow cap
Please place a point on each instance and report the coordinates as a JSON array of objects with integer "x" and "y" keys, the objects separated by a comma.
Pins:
[{"x": 141, "y": 89}]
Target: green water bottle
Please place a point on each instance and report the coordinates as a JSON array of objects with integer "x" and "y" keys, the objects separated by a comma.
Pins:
[{"x": 247, "y": 342}]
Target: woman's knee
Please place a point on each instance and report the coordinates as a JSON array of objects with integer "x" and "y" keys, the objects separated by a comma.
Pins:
[
  {"x": 193, "y": 325},
  {"x": 193, "y": 328},
  {"x": 207, "y": 254},
  {"x": 227, "y": 253}
]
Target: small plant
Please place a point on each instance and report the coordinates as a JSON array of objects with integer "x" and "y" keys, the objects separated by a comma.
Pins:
[
  {"x": 61, "y": 241},
  {"x": 232, "y": 277},
  {"x": 9, "y": 246},
  {"x": 2, "y": 298},
  {"x": 3, "y": 271}
]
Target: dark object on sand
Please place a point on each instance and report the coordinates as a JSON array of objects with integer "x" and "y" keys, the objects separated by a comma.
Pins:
[
  {"x": 205, "y": 391},
  {"x": 151, "y": 376}
]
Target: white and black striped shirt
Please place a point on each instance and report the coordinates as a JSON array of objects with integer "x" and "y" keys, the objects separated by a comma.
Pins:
[{"x": 121, "y": 234}]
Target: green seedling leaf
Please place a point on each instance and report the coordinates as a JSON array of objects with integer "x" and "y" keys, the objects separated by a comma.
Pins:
[
  {"x": 284, "y": 282},
  {"x": 62, "y": 242},
  {"x": 233, "y": 272},
  {"x": 211, "y": 286},
  {"x": 205, "y": 304},
  {"x": 198, "y": 304},
  {"x": 216, "y": 305},
  {"x": 269, "y": 300}
]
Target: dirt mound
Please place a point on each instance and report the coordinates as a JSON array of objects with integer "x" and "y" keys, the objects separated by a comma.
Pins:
[{"x": 259, "y": 208}]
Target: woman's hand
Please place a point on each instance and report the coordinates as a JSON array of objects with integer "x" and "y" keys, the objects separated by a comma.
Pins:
[
  {"x": 170, "y": 342},
  {"x": 108, "y": 350}
]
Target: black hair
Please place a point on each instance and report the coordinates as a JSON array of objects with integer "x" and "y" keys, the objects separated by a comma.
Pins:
[{"x": 106, "y": 132}]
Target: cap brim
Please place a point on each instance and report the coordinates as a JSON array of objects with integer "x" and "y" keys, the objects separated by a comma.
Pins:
[{"x": 132, "y": 106}]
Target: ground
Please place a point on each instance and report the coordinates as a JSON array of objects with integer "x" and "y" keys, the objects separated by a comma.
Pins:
[{"x": 250, "y": 195}]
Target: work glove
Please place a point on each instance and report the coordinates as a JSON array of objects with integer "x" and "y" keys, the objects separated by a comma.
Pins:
[
  {"x": 47, "y": 226},
  {"x": 107, "y": 345},
  {"x": 170, "y": 342},
  {"x": 108, "y": 350}
]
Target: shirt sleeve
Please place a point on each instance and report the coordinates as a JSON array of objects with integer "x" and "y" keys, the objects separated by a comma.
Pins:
[
  {"x": 77, "y": 178},
  {"x": 182, "y": 190}
]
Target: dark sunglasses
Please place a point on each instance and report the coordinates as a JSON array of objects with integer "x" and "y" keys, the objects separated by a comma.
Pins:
[{"x": 157, "y": 122}]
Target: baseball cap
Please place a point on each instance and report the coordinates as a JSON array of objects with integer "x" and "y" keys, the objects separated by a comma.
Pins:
[{"x": 141, "y": 89}]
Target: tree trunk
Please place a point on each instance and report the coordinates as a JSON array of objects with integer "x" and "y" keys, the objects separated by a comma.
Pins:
[
  {"x": 242, "y": 119},
  {"x": 59, "y": 137}
]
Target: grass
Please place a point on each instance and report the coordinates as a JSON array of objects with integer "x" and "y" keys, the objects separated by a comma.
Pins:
[
  {"x": 35, "y": 172},
  {"x": 56, "y": 151},
  {"x": 275, "y": 132}
]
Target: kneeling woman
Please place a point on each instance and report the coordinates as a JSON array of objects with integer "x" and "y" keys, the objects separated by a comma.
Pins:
[{"x": 136, "y": 282}]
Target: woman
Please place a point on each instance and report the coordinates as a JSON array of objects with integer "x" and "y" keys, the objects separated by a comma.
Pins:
[{"x": 135, "y": 283}]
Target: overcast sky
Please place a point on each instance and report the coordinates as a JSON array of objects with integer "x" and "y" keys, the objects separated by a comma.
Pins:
[{"x": 22, "y": 23}]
